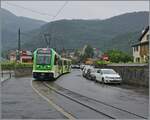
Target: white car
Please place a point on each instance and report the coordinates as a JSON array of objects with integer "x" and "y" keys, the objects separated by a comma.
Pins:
[{"x": 107, "y": 76}]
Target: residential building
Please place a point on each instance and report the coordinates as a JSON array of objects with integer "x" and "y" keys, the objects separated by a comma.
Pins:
[
  {"x": 141, "y": 48},
  {"x": 12, "y": 56},
  {"x": 25, "y": 56},
  {"x": 105, "y": 57}
]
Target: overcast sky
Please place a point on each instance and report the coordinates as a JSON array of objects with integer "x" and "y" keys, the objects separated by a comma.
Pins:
[{"x": 44, "y": 10}]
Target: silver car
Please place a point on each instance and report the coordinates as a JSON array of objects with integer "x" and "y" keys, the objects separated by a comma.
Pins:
[{"x": 107, "y": 76}]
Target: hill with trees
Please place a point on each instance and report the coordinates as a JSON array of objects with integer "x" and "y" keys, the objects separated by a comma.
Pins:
[
  {"x": 117, "y": 32},
  {"x": 10, "y": 25}
]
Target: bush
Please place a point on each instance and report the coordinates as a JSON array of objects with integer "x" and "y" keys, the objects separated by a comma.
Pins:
[
  {"x": 117, "y": 56},
  {"x": 12, "y": 65},
  {"x": 7, "y": 65},
  {"x": 23, "y": 65},
  {"x": 101, "y": 62}
]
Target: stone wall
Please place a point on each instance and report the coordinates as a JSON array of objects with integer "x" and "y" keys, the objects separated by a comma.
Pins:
[
  {"x": 133, "y": 74},
  {"x": 20, "y": 72}
]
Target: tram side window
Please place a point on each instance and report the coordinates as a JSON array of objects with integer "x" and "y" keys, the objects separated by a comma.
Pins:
[
  {"x": 60, "y": 62},
  {"x": 56, "y": 60},
  {"x": 65, "y": 62}
]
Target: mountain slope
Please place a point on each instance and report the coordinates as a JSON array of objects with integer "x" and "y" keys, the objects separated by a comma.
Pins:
[
  {"x": 115, "y": 32},
  {"x": 104, "y": 34},
  {"x": 13, "y": 22},
  {"x": 10, "y": 25},
  {"x": 123, "y": 42}
]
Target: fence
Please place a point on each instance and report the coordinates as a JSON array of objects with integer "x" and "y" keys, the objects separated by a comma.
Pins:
[{"x": 5, "y": 75}]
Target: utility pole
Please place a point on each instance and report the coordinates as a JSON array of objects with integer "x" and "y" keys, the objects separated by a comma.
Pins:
[
  {"x": 19, "y": 46},
  {"x": 47, "y": 38}
]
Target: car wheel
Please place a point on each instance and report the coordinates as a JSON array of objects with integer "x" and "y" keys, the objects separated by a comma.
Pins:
[
  {"x": 103, "y": 80},
  {"x": 119, "y": 83},
  {"x": 94, "y": 78}
]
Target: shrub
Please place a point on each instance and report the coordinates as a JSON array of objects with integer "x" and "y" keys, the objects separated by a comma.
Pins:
[
  {"x": 101, "y": 62},
  {"x": 12, "y": 65}
]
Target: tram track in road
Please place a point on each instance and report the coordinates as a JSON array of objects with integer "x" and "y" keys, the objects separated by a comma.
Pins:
[
  {"x": 76, "y": 113},
  {"x": 77, "y": 101},
  {"x": 101, "y": 107},
  {"x": 59, "y": 109}
]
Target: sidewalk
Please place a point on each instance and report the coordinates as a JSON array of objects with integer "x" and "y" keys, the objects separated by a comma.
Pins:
[{"x": 5, "y": 75}]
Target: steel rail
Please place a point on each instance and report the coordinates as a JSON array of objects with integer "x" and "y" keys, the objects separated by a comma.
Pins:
[
  {"x": 77, "y": 101},
  {"x": 98, "y": 101},
  {"x": 59, "y": 109}
]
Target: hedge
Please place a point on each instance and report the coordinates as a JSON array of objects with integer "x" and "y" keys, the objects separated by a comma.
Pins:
[{"x": 13, "y": 65}]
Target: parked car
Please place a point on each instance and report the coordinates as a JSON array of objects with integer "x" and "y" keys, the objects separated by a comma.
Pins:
[
  {"x": 85, "y": 70},
  {"x": 82, "y": 66},
  {"x": 107, "y": 76},
  {"x": 75, "y": 66},
  {"x": 90, "y": 74}
]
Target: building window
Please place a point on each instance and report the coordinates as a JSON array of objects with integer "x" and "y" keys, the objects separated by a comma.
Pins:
[
  {"x": 147, "y": 37},
  {"x": 137, "y": 59},
  {"x": 136, "y": 48}
]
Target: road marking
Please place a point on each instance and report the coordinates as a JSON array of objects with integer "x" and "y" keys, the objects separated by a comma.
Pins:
[{"x": 53, "y": 104}]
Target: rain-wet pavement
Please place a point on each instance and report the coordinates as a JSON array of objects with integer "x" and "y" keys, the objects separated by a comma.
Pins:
[
  {"x": 78, "y": 111},
  {"x": 19, "y": 101},
  {"x": 132, "y": 99}
]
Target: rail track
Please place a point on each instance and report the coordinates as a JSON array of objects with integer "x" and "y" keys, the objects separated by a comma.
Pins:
[{"x": 110, "y": 111}]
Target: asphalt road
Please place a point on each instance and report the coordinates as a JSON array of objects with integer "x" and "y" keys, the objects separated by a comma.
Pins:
[
  {"x": 20, "y": 101},
  {"x": 133, "y": 99}
]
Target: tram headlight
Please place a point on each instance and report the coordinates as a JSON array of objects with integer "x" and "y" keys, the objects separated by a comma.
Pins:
[
  {"x": 38, "y": 66},
  {"x": 48, "y": 66}
]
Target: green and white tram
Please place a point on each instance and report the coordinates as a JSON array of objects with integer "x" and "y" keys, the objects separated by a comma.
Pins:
[{"x": 48, "y": 64}]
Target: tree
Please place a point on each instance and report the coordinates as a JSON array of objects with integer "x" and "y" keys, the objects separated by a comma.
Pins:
[
  {"x": 77, "y": 53},
  {"x": 117, "y": 56},
  {"x": 88, "y": 53}
]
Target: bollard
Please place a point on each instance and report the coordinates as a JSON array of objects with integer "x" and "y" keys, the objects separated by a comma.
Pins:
[
  {"x": 9, "y": 73},
  {"x": 2, "y": 73}
]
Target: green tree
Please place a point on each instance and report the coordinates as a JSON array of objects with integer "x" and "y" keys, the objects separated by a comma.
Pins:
[
  {"x": 88, "y": 53},
  {"x": 117, "y": 56},
  {"x": 77, "y": 53}
]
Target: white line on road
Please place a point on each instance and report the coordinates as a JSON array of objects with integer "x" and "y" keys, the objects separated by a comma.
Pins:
[{"x": 53, "y": 104}]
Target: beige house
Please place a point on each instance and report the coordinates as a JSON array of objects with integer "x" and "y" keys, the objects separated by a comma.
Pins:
[
  {"x": 141, "y": 48},
  {"x": 25, "y": 56}
]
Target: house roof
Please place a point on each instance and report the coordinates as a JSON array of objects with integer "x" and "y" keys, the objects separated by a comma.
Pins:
[
  {"x": 145, "y": 31},
  {"x": 138, "y": 43}
]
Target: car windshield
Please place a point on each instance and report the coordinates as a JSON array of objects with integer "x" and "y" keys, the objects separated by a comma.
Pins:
[
  {"x": 93, "y": 70},
  {"x": 43, "y": 59},
  {"x": 108, "y": 71}
]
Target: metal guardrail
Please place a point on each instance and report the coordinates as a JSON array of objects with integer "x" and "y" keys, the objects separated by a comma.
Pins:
[{"x": 6, "y": 74}]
